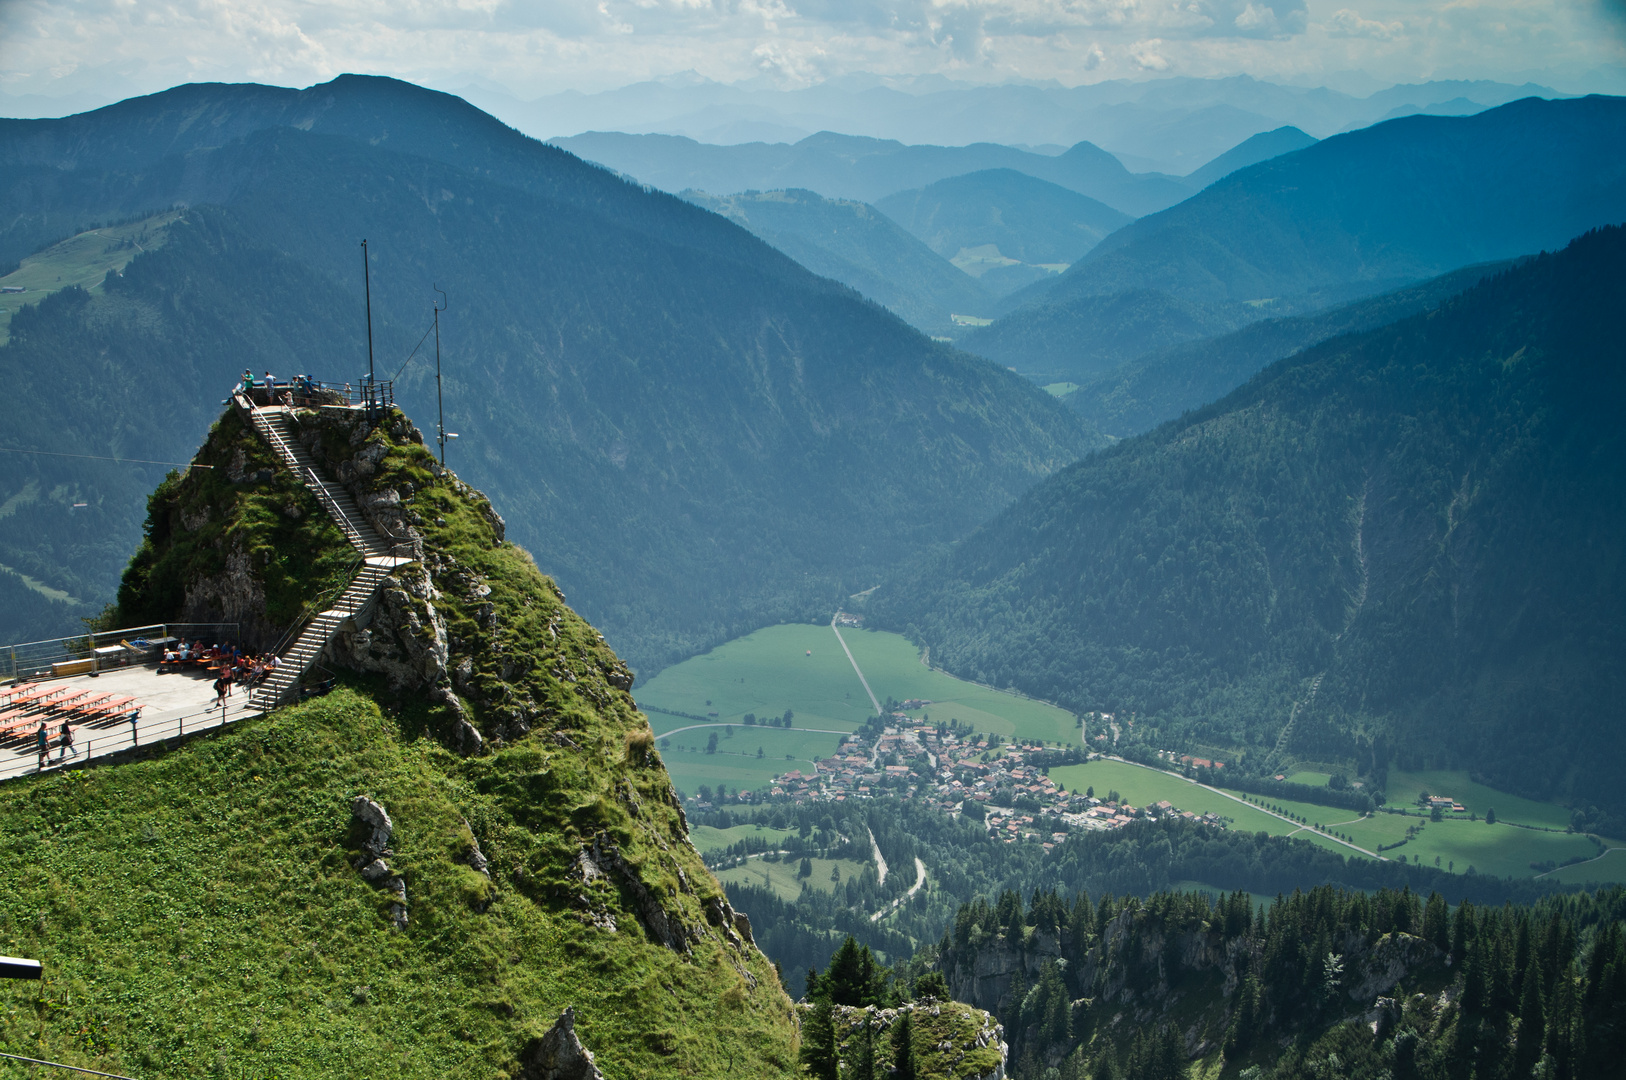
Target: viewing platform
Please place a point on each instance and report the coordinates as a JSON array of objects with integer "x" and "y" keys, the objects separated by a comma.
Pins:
[{"x": 112, "y": 688}]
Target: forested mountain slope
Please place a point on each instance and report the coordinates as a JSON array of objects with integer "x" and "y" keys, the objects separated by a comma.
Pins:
[
  {"x": 857, "y": 245},
  {"x": 1348, "y": 217},
  {"x": 1324, "y": 983},
  {"x": 1409, "y": 538},
  {"x": 1138, "y": 395},
  {"x": 695, "y": 434}
]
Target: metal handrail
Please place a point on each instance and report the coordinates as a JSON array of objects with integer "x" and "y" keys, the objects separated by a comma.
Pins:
[{"x": 317, "y": 606}]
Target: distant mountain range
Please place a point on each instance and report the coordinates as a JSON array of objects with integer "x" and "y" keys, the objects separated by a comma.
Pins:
[
  {"x": 1168, "y": 125},
  {"x": 1350, "y": 216},
  {"x": 1023, "y": 220},
  {"x": 1395, "y": 546},
  {"x": 865, "y": 169},
  {"x": 694, "y": 433}
]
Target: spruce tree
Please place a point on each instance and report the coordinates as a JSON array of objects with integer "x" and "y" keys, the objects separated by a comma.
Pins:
[
  {"x": 863, "y": 1067},
  {"x": 819, "y": 1043},
  {"x": 903, "y": 1047}
]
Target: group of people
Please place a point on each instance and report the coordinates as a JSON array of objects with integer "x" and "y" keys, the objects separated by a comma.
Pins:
[
  {"x": 42, "y": 739},
  {"x": 251, "y": 671},
  {"x": 269, "y": 391},
  {"x": 230, "y": 663}
]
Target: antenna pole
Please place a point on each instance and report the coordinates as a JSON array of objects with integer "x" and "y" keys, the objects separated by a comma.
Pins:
[
  {"x": 440, "y": 402},
  {"x": 367, "y": 283}
]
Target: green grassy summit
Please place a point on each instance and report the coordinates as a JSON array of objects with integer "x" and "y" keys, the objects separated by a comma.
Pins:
[{"x": 199, "y": 912}]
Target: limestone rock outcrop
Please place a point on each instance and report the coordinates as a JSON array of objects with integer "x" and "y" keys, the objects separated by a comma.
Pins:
[{"x": 559, "y": 1055}]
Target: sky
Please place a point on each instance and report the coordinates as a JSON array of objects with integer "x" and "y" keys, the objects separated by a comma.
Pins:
[{"x": 58, "y": 57}]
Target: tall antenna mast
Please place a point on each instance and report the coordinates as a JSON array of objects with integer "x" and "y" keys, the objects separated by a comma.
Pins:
[
  {"x": 367, "y": 283},
  {"x": 440, "y": 403}
]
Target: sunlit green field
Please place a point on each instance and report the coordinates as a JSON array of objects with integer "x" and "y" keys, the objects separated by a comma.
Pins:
[
  {"x": 736, "y": 763},
  {"x": 803, "y": 668},
  {"x": 892, "y": 666},
  {"x": 1610, "y": 868},
  {"x": 82, "y": 260},
  {"x": 781, "y": 876},
  {"x": 1404, "y": 788},
  {"x": 707, "y": 838},
  {"x": 795, "y": 666},
  {"x": 1142, "y": 787}
]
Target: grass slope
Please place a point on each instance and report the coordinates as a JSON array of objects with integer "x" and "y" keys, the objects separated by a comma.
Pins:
[{"x": 197, "y": 915}]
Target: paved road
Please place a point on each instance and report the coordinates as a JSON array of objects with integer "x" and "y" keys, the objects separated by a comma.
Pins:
[
  {"x": 1297, "y": 826},
  {"x": 880, "y": 861},
  {"x": 920, "y": 879},
  {"x": 692, "y": 727}
]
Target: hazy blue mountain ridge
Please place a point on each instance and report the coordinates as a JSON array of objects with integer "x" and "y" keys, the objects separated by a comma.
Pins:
[
  {"x": 1030, "y": 220},
  {"x": 857, "y": 245},
  {"x": 695, "y": 434},
  {"x": 866, "y": 169},
  {"x": 1351, "y": 216}
]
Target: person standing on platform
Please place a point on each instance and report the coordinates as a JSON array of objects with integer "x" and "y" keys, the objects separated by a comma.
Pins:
[{"x": 43, "y": 740}]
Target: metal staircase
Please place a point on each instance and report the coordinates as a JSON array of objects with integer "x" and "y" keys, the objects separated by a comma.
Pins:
[
  {"x": 298, "y": 657},
  {"x": 379, "y": 555}
]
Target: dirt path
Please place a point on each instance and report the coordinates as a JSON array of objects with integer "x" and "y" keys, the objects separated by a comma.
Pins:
[{"x": 873, "y": 700}]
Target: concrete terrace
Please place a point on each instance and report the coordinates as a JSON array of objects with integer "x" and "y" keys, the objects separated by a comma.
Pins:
[{"x": 173, "y": 704}]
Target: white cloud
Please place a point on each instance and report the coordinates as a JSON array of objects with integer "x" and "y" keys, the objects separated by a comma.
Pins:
[
  {"x": 113, "y": 48},
  {"x": 1349, "y": 24},
  {"x": 1147, "y": 57}
]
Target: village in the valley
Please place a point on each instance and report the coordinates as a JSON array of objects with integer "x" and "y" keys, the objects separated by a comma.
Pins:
[{"x": 961, "y": 771}]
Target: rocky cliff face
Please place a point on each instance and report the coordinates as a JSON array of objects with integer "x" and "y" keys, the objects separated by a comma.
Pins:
[{"x": 235, "y": 539}]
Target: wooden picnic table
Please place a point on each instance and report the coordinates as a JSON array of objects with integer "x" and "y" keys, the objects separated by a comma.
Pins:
[
  {"x": 11, "y": 728},
  {"x": 39, "y": 693},
  {"x": 67, "y": 699},
  {"x": 90, "y": 705}
]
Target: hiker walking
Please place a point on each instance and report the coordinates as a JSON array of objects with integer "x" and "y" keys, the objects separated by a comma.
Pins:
[
  {"x": 222, "y": 688},
  {"x": 43, "y": 740},
  {"x": 65, "y": 744}
]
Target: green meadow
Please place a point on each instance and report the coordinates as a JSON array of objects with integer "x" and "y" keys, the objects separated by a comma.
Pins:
[
  {"x": 781, "y": 876},
  {"x": 83, "y": 260},
  {"x": 892, "y": 666},
  {"x": 802, "y": 668},
  {"x": 1609, "y": 868},
  {"x": 736, "y": 763},
  {"x": 1405, "y": 787},
  {"x": 707, "y": 838}
]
